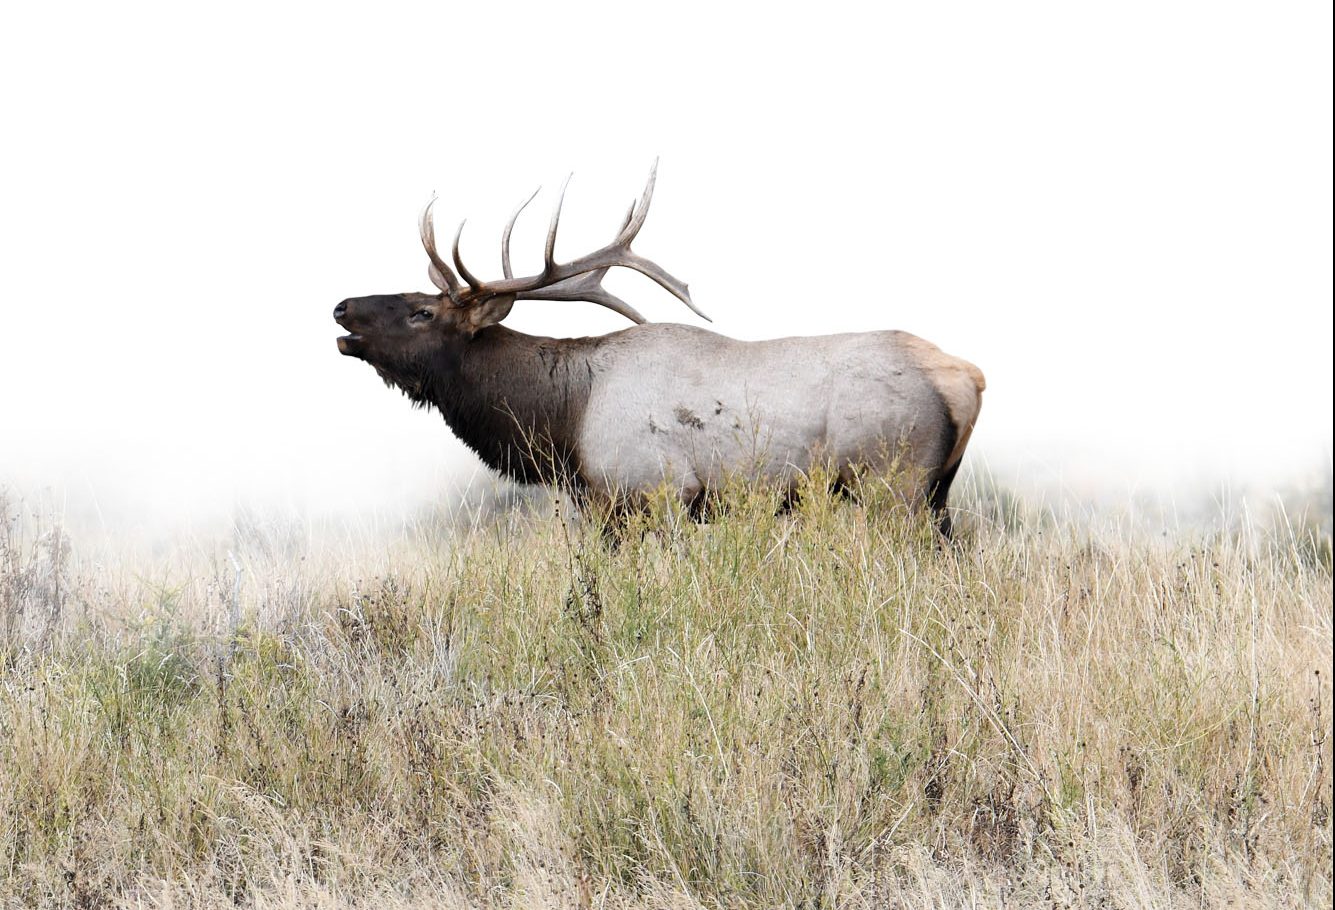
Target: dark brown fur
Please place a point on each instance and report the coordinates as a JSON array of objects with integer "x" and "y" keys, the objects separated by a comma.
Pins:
[{"x": 516, "y": 400}]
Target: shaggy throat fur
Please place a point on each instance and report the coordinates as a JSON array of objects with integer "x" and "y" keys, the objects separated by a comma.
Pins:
[{"x": 516, "y": 400}]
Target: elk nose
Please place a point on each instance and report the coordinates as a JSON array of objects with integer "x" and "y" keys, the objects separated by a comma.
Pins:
[{"x": 340, "y": 310}]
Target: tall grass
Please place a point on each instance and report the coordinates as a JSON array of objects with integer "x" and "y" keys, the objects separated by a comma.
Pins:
[{"x": 823, "y": 708}]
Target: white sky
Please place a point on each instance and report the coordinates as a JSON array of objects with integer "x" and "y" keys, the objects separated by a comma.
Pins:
[{"x": 1121, "y": 212}]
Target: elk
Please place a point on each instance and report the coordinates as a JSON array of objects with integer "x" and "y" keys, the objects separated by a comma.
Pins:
[{"x": 611, "y": 419}]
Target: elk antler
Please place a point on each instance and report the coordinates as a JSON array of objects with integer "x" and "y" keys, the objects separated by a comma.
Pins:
[
  {"x": 440, "y": 273},
  {"x": 579, "y": 279}
]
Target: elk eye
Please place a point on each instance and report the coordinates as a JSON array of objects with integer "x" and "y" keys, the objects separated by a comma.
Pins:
[{"x": 421, "y": 315}]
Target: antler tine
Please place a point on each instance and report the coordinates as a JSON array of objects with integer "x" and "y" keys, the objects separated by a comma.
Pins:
[
  {"x": 505, "y": 236},
  {"x": 549, "y": 254},
  {"x": 673, "y": 286},
  {"x": 640, "y": 212},
  {"x": 440, "y": 273},
  {"x": 473, "y": 282}
]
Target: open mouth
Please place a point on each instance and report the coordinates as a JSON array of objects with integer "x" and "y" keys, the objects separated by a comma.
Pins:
[{"x": 350, "y": 345}]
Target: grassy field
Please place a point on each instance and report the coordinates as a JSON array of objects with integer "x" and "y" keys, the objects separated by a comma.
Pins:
[{"x": 821, "y": 709}]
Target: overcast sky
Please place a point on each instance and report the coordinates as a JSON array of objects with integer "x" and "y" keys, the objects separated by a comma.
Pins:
[{"x": 1120, "y": 212}]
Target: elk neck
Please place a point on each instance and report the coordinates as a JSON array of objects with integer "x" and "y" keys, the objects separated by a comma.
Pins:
[{"x": 517, "y": 400}]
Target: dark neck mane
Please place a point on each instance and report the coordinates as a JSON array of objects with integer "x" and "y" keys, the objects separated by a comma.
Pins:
[{"x": 516, "y": 400}]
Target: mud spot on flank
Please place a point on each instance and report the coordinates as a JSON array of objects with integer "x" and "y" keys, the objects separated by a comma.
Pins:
[
  {"x": 687, "y": 418},
  {"x": 655, "y": 428}
]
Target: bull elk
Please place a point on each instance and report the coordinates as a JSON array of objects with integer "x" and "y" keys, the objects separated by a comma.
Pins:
[{"x": 613, "y": 418}]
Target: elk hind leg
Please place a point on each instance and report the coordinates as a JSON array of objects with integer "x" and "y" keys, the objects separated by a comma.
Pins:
[{"x": 937, "y": 499}]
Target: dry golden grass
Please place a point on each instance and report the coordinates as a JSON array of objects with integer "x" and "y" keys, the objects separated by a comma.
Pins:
[{"x": 822, "y": 709}]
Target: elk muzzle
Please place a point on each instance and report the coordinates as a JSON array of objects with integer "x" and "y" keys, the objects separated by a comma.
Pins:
[{"x": 350, "y": 345}]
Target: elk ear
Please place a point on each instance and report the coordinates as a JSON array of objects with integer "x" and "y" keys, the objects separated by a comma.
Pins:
[{"x": 489, "y": 312}]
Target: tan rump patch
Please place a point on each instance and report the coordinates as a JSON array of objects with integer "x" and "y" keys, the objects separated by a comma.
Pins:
[{"x": 959, "y": 383}]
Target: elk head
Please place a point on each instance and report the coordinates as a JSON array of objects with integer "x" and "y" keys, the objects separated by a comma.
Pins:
[{"x": 401, "y": 334}]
